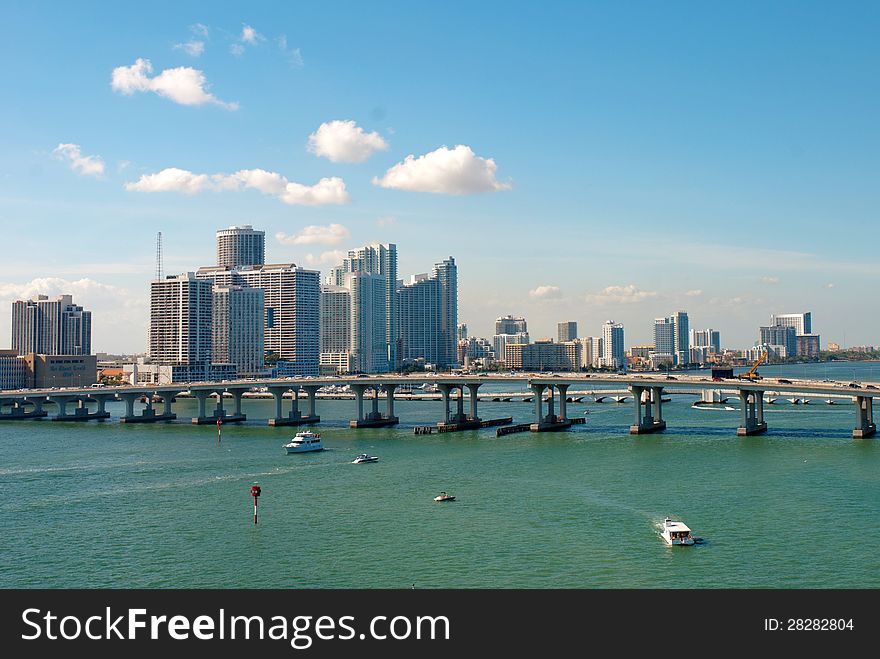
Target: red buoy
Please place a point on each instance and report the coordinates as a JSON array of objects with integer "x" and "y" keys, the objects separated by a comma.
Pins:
[{"x": 255, "y": 493}]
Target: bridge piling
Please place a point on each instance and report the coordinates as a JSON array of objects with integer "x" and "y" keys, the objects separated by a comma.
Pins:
[
  {"x": 865, "y": 426},
  {"x": 752, "y": 404}
]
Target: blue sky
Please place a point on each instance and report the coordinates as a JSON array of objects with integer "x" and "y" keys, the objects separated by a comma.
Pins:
[{"x": 645, "y": 157}]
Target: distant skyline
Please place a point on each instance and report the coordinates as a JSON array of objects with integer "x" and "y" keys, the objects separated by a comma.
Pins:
[{"x": 583, "y": 162}]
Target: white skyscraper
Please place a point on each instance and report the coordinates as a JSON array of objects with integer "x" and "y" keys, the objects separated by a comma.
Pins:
[
  {"x": 368, "y": 323},
  {"x": 613, "y": 351},
  {"x": 237, "y": 337},
  {"x": 180, "y": 321},
  {"x": 51, "y": 327},
  {"x": 240, "y": 246}
]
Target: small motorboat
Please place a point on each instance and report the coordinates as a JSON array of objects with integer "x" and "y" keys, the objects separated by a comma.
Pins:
[
  {"x": 444, "y": 497},
  {"x": 676, "y": 533},
  {"x": 363, "y": 457}
]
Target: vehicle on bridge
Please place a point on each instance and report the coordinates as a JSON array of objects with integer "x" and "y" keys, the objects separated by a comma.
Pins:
[{"x": 752, "y": 374}]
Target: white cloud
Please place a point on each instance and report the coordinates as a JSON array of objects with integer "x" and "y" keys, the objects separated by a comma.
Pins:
[
  {"x": 314, "y": 234},
  {"x": 200, "y": 30},
  {"x": 620, "y": 295},
  {"x": 455, "y": 171},
  {"x": 250, "y": 35},
  {"x": 769, "y": 280},
  {"x": 546, "y": 292},
  {"x": 192, "y": 47},
  {"x": 344, "y": 141},
  {"x": 184, "y": 85},
  {"x": 236, "y": 49},
  {"x": 386, "y": 221},
  {"x": 333, "y": 256},
  {"x": 293, "y": 55},
  {"x": 172, "y": 179},
  {"x": 82, "y": 165},
  {"x": 696, "y": 292},
  {"x": 829, "y": 285}
]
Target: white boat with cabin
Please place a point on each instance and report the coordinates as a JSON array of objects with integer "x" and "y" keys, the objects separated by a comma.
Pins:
[
  {"x": 304, "y": 442},
  {"x": 676, "y": 533}
]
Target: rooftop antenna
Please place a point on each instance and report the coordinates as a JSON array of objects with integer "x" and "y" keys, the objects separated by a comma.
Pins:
[{"x": 160, "y": 272}]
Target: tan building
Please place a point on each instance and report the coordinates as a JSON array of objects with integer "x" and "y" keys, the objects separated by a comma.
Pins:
[
  {"x": 47, "y": 371},
  {"x": 543, "y": 355}
]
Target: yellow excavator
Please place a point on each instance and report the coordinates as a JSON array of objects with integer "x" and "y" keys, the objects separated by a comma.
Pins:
[{"x": 752, "y": 374}]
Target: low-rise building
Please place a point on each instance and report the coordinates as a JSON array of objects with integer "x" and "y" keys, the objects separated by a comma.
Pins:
[{"x": 13, "y": 370}]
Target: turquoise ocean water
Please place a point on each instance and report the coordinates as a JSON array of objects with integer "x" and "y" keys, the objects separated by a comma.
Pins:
[{"x": 163, "y": 505}]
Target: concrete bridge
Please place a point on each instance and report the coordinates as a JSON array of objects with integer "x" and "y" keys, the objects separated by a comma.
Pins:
[{"x": 549, "y": 393}]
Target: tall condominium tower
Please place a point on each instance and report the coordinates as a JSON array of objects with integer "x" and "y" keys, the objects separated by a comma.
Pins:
[
  {"x": 292, "y": 302},
  {"x": 368, "y": 322},
  {"x": 419, "y": 311},
  {"x": 613, "y": 351},
  {"x": 566, "y": 331},
  {"x": 446, "y": 274},
  {"x": 51, "y": 327},
  {"x": 237, "y": 314},
  {"x": 336, "y": 328},
  {"x": 180, "y": 321},
  {"x": 664, "y": 339},
  {"x": 240, "y": 246},
  {"x": 682, "y": 337},
  {"x": 802, "y": 322},
  {"x": 377, "y": 259},
  {"x": 511, "y": 325},
  {"x": 707, "y": 338}
]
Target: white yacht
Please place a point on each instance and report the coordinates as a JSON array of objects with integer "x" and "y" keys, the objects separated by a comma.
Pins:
[
  {"x": 305, "y": 441},
  {"x": 676, "y": 533},
  {"x": 363, "y": 457},
  {"x": 444, "y": 497}
]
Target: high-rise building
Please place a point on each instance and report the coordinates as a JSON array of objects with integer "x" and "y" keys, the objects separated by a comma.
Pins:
[
  {"x": 808, "y": 345},
  {"x": 180, "y": 321},
  {"x": 613, "y": 351},
  {"x": 566, "y": 331},
  {"x": 378, "y": 259},
  {"x": 707, "y": 338},
  {"x": 511, "y": 325},
  {"x": 336, "y": 328},
  {"x": 664, "y": 339},
  {"x": 779, "y": 335},
  {"x": 462, "y": 331},
  {"x": 237, "y": 318},
  {"x": 802, "y": 322},
  {"x": 501, "y": 341},
  {"x": 419, "y": 310},
  {"x": 446, "y": 274},
  {"x": 682, "y": 337},
  {"x": 544, "y": 355},
  {"x": 369, "y": 352},
  {"x": 240, "y": 246},
  {"x": 51, "y": 327},
  {"x": 292, "y": 302}
]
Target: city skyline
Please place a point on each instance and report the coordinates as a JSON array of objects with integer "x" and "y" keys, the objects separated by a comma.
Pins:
[{"x": 745, "y": 190}]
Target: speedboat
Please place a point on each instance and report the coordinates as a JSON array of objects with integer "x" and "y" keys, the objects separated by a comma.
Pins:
[
  {"x": 363, "y": 457},
  {"x": 444, "y": 497},
  {"x": 304, "y": 442},
  {"x": 676, "y": 533}
]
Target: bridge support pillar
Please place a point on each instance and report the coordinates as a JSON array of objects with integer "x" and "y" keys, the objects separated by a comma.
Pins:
[
  {"x": 473, "y": 387},
  {"x": 865, "y": 426},
  {"x": 374, "y": 418},
  {"x": 80, "y": 413},
  {"x": 148, "y": 415},
  {"x": 219, "y": 411},
  {"x": 652, "y": 418},
  {"x": 294, "y": 417},
  {"x": 18, "y": 411},
  {"x": 752, "y": 404},
  {"x": 550, "y": 422}
]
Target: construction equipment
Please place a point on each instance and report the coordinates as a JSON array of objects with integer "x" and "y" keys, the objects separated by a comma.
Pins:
[{"x": 752, "y": 374}]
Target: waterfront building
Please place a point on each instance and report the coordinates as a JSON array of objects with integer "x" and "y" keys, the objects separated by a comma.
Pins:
[
  {"x": 369, "y": 353},
  {"x": 682, "y": 337},
  {"x": 240, "y": 246},
  {"x": 613, "y": 351},
  {"x": 641, "y": 352},
  {"x": 47, "y": 371},
  {"x": 833, "y": 347},
  {"x": 446, "y": 274},
  {"x": 51, "y": 327},
  {"x": 802, "y": 322},
  {"x": 779, "y": 335},
  {"x": 808, "y": 345},
  {"x": 419, "y": 310},
  {"x": 378, "y": 259},
  {"x": 475, "y": 348},
  {"x": 237, "y": 319},
  {"x": 543, "y": 355},
  {"x": 501, "y": 341},
  {"x": 708, "y": 338},
  {"x": 292, "y": 302},
  {"x": 180, "y": 320},
  {"x": 566, "y": 331},
  {"x": 335, "y": 330},
  {"x": 462, "y": 331},
  {"x": 664, "y": 340},
  {"x": 511, "y": 325},
  {"x": 13, "y": 370}
]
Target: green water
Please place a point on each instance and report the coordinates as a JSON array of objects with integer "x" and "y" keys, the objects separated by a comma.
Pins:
[{"x": 114, "y": 505}]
